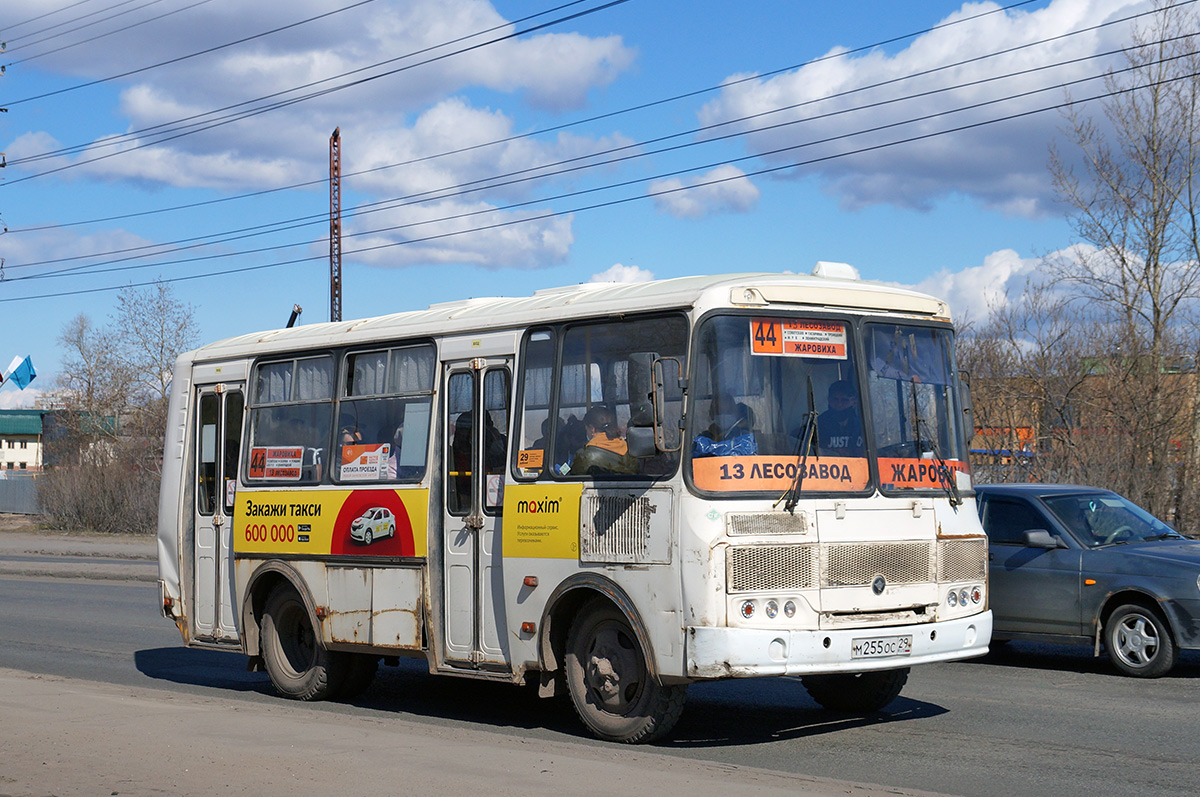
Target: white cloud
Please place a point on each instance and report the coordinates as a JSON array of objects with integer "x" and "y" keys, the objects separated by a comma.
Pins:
[
  {"x": 725, "y": 189},
  {"x": 420, "y": 110},
  {"x": 433, "y": 233},
  {"x": 1002, "y": 166},
  {"x": 14, "y": 399},
  {"x": 975, "y": 291},
  {"x": 623, "y": 274}
]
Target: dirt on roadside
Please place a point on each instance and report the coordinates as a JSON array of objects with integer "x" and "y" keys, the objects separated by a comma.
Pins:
[
  {"x": 19, "y": 522},
  {"x": 28, "y": 549}
]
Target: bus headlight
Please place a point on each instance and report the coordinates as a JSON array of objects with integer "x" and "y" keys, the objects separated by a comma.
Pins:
[
  {"x": 952, "y": 598},
  {"x": 976, "y": 594},
  {"x": 789, "y": 608},
  {"x": 772, "y": 609},
  {"x": 747, "y": 609}
]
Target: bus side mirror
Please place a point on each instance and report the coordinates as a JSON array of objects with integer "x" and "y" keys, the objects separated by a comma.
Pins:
[
  {"x": 639, "y": 432},
  {"x": 968, "y": 408},
  {"x": 668, "y": 373}
]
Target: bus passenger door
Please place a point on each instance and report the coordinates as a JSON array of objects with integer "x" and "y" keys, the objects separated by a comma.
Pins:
[
  {"x": 217, "y": 447},
  {"x": 477, "y": 421}
]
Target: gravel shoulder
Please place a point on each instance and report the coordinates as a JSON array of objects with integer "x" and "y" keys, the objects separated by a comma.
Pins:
[{"x": 27, "y": 550}]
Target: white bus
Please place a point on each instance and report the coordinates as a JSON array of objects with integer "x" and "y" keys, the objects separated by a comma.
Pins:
[{"x": 612, "y": 490}]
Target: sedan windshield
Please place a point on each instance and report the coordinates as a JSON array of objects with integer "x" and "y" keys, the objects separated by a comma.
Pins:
[{"x": 1097, "y": 519}]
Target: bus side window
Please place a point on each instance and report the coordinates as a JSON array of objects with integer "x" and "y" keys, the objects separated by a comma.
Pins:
[
  {"x": 535, "y": 423},
  {"x": 291, "y": 414}
]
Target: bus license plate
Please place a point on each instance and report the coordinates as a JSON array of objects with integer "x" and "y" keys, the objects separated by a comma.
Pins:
[{"x": 880, "y": 647}]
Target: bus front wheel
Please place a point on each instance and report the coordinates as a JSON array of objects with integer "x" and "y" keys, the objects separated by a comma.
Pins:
[
  {"x": 856, "y": 693},
  {"x": 299, "y": 665},
  {"x": 610, "y": 685}
]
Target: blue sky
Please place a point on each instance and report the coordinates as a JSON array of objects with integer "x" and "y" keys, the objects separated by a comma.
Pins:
[{"x": 805, "y": 109}]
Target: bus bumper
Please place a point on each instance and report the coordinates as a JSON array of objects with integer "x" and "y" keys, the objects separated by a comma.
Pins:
[{"x": 753, "y": 652}]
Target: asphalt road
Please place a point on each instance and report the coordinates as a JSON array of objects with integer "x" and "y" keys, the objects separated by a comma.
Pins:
[{"x": 1024, "y": 720}]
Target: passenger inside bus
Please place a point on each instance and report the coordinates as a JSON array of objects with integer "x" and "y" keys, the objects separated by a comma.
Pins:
[
  {"x": 840, "y": 427},
  {"x": 605, "y": 451},
  {"x": 572, "y": 436},
  {"x": 729, "y": 432},
  {"x": 348, "y": 436},
  {"x": 495, "y": 446}
]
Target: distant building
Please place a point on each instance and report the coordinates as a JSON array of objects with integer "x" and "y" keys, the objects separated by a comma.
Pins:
[{"x": 21, "y": 441}]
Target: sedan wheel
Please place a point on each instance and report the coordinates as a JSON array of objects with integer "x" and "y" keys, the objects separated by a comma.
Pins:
[{"x": 1139, "y": 642}]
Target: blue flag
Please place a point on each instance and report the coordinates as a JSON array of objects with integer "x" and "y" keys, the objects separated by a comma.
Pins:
[{"x": 20, "y": 372}]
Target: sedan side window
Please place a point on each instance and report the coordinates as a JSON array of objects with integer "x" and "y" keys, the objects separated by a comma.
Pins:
[{"x": 1007, "y": 520}]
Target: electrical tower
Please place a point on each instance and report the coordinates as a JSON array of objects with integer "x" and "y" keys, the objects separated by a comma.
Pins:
[
  {"x": 3, "y": 161},
  {"x": 335, "y": 225}
]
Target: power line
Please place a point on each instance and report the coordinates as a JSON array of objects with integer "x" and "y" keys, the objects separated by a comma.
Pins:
[
  {"x": 539, "y": 172},
  {"x": 189, "y": 56},
  {"x": 711, "y": 182},
  {"x": 542, "y": 131},
  {"x": 615, "y": 202},
  {"x": 295, "y": 100},
  {"x": 675, "y": 173},
  {"x": 50, "y": 13},
  {"x": 642, "y": 106},
  {"x": 81, "y": 27},
  {"x": 106, "y": 34}
]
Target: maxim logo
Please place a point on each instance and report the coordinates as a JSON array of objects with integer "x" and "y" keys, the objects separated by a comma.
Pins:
[{"x": 535, "y": 507}]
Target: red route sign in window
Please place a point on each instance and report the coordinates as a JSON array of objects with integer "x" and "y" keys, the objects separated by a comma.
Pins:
[
  {"x": 798, "y": 337},
  {"x": 276, "y": 462}
]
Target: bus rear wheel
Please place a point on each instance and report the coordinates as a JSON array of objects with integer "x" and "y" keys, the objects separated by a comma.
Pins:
[
  {"x": 856, "y": 693},
  {"x": 299, "y": 665},
  {"x": 610, "y": 685}
]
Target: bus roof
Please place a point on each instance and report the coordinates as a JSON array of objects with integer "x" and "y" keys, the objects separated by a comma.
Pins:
[{"x": 574, "y": 301}]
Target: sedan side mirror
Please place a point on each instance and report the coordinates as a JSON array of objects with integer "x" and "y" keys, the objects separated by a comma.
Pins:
[{"x": 1040, "y": 538}]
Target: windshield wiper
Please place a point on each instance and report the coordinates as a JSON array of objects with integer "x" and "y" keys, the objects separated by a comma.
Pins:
[
  {"x": 1166, "y": 535},
  {"x": 945, "y": 476},
  {"x": 805, "y": 445}
]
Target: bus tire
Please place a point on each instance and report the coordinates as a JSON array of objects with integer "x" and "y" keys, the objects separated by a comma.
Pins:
[
  {"x": 360, "y": 672},
  {"x": 610, "y": 685},
  {"x": 299, "y": 665},
  {"x": 856, "y": 693}
]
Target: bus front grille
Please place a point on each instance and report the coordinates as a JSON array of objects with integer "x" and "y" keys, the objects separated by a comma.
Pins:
[
  {"x": 962, "y": 560},
  {"x": 857, "y": 564},
  {"x": 772, "y": 568},
  {"x": 757, "y": 568}
]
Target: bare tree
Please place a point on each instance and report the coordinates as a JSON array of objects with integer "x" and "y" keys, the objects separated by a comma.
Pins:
[
  {"x": 152, "y": 328},
  {"x": 1134, "y": 207},
  {"x": 93, "y": 390},
  {"x": 113, "y": 390}
]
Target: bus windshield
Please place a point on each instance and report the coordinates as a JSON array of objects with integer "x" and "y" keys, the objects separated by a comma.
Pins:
[
  {"x": 914, "y": 407},
  {"x": 776, "y": 407}
]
